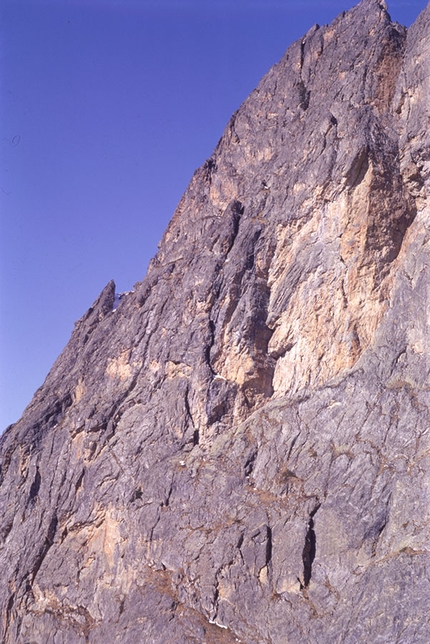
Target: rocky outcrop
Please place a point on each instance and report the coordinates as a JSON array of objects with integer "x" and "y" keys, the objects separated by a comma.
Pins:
[{"x": 239, "y": 450}]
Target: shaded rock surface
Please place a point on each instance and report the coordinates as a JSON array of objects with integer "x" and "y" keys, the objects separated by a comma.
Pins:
[{"x": 239, "y": 451}]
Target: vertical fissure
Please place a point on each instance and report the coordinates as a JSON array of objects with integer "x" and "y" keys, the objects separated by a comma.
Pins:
[
  {"x": 269, "y": 546},
  {"x": 309, "y": 550}
]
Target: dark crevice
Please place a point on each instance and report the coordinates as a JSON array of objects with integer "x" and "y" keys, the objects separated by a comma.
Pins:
[
  {"x": 151, "y": 533},
  {"x": 249, "y": 465},
  {"x": 240, "y": 541},
  {"x": 49, "y": 540},
  {"x": 210, "y": 345},
  {"x": 358, "y": 168},
  {"x": 196, "y": 435},
  {"x": 8, "y": 613},
  {"x": 269, "y": 545},
  {"x": 237, "y": 210},
  {"x": 215, "y": 600},
  {"x": 309, "y": 550},
  {"x": 375, "y": 531},
  {"x": 209, "y": 168},
  {"x": 35, "y": 486},
  {"x": 166, "y": 501},
  {"x": 302, "y": 53},
  {"x": 304, "y": 96},
  {"x": 53, "y": 414},
  {"x": 137, "y": 494},
  {"x": 293, "y": 442},
  {"x": 379, "y": 531},
  {"x": 309, "y": 553}
]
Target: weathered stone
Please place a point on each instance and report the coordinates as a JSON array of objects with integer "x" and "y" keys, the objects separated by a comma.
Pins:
[{"x": 240, "y": 451}]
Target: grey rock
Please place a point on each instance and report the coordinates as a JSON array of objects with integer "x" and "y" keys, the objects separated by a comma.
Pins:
[{"x": 239, "y": 450}]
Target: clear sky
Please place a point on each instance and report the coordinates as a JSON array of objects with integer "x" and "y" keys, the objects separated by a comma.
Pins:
[{"x": 107, "y": 107}]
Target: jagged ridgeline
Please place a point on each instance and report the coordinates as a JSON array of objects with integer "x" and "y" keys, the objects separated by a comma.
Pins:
[{"x": 239, "y": 450}]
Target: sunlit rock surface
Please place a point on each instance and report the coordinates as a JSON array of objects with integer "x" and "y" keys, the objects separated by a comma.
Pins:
[{"x": 239, "y": 450}]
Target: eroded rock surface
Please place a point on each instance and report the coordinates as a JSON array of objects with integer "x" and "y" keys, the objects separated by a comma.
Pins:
[{"x": 239, "y": 451}]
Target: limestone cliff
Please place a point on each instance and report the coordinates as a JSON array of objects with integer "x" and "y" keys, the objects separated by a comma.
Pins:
[{"x": 239, "y": 451}]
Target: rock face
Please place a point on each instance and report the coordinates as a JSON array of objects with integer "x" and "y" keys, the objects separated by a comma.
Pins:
[{"x": 240, "y": 450}]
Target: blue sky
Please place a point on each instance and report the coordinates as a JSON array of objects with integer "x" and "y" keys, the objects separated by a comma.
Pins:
[{"x": 106, "y": 108}]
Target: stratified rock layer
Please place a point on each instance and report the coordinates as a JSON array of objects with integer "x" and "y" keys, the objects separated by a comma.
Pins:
[{"x": 240, "y": 451}]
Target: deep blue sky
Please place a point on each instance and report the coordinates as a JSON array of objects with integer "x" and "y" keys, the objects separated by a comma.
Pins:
[{"x": 107, "y": 108}]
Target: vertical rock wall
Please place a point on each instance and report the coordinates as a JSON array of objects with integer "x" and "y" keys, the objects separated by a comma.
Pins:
[{"x": 240, "y": 450}]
